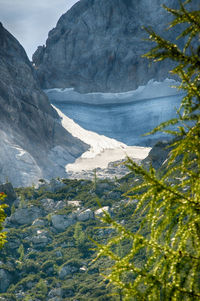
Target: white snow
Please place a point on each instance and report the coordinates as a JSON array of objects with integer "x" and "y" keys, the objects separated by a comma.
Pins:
[
  {"x": 97, "y": 143},
  {"x": 152, "y": 89},
  {"x": 102, "y": 151}
]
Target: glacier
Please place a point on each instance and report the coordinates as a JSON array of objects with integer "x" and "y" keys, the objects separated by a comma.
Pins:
[{"x": 122, "y": 116}]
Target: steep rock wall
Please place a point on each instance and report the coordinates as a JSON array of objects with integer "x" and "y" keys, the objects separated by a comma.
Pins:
[
  {"x": 31, "y": 135},
  {"x": 97, "y": 46}
]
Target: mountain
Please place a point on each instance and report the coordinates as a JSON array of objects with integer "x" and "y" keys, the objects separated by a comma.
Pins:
[
  {"x": 36, "y": 140},
  {"x": 97, "y": 46},
  {"x": 33, "y": 143}
]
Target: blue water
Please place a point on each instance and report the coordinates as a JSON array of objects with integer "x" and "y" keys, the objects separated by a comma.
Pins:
[{"x": 125, "y": 122}]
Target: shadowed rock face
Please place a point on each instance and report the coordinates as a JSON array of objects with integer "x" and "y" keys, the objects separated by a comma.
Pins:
[
  {"x": 97, "y": 46},
  {"x": 31, "y": 137}
]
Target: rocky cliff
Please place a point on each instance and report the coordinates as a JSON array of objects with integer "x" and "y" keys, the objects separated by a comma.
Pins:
[
  {"x": 97, "y": 46},
  {"x": 33, "y": 144}
]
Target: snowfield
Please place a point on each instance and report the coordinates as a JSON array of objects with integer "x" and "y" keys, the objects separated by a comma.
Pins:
[{"x": 102, "y": 151}]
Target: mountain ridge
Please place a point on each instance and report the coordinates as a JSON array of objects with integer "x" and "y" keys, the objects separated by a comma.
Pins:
[
  {"x": 30, "y": 129},
  {"x": 97, "y": 46}
]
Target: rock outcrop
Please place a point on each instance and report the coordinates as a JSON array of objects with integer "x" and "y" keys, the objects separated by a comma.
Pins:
[
  {"x": 7, "y": 188},
  {"x": 97, "y": 46},
  {"x": 33, "y": 143}
]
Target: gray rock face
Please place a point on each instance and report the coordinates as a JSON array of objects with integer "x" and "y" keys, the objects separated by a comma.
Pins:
[
  {"x": 26, "y": 215},
  {"x": 97, "y": 46},
  {"x": 31, "y": 136},
  {"x": 158, "y": 154},
  {"x": 7, "y": 188}
]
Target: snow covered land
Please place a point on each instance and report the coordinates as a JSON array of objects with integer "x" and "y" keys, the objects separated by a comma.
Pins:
[
  {"x": 122, "y": 116},
  {"x": 102, "y": 151}
]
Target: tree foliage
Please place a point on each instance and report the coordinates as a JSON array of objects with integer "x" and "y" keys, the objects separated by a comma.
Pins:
[
  {"x": 168, "y": 239},
  {"x": 2, "y": 219}
]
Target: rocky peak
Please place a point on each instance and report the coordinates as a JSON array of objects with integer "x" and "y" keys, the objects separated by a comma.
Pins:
[{"x": 97, "y": 46}]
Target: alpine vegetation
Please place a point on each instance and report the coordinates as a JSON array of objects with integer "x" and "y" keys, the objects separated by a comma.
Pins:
[{"x": 160, "y": 260}]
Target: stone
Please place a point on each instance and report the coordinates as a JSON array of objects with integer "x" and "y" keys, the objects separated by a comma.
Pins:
[
  {"x": 14, "y": 244},
  {"x": 85, "y": 215},
  {"x": 7, "y": 188},
  {"x": 61, "y": 222},
  {"x": 5, "y": 280},
  {"x": 102, "y": 187},
  {"x": 67, "y": 270},
  {"x": 100, "y": 212},
  {"x": 50, "y": 205},
  {"x": 55, "y": 185},
  {"x": 115, "y": 195},
  {"x": 39, "y": 222},
  {"x": 74, "y": 203},
  {"x": 55, "y": 292},
  {"x": 60, "y": 205},
  {"x": 158, "y": 154},
  {"x": 26, "y": 215},
  {"x": 41, "y": 239}
]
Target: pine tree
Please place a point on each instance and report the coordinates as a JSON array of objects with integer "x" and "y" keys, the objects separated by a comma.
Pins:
[{"x": 169, "y": 234}]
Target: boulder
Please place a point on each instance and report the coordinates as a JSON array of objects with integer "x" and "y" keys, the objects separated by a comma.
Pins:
[
  {"x": 13, "y": 244},
  {"x": 61, "y": 222},
  {"x": 50, "y": 205},
  {"x": 39, "y": 222},
  {"x": 55, "y": 292},
  {"x": 67, "y": 270},
  {"x": 74, "y": 203},
  {"x": 100, "y": 212},
  {"x": 85, "y": 215},
  {"x": 102, "y": 187},
  {"x": 55, "y": 185},
  {"x": 7, "y": 188},
  {"x": 26, "y": 215},
  {"x": 41, "y": 239},
  {"x": 5, "y": 280}
]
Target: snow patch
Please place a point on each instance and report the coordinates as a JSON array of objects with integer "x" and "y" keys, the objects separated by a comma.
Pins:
[
  {"x": 98, "y": 143},
  {"x": 102, "y": 151}
]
